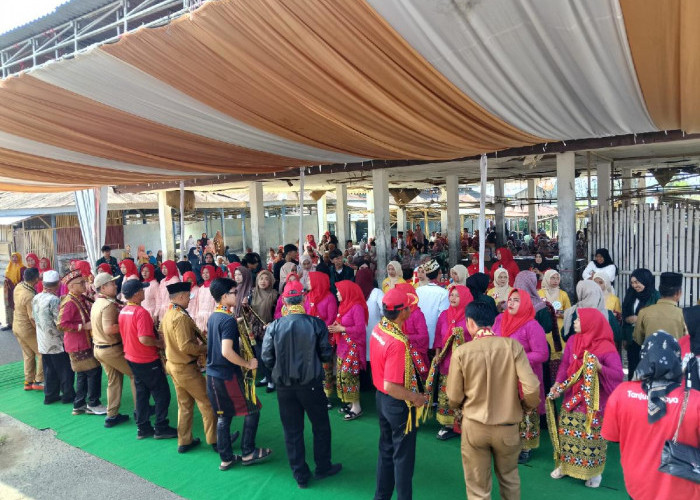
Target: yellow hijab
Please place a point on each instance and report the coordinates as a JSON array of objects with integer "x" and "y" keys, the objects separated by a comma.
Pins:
[{"x": 13, "y": 272}]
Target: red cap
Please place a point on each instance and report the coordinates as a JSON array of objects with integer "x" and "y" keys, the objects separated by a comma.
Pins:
[
  {"x": 396, "y": 300},
  {"x": 293, "y": 289}
]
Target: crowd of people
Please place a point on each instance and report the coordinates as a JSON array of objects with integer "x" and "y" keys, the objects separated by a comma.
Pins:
[{"x": 485, "y": 354}]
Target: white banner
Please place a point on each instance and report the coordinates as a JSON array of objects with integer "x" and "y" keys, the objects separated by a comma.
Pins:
[{"x": 91, "y": 206}]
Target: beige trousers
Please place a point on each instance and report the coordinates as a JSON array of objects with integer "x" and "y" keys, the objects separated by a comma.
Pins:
[
  {"x": 115, "y": 366},
  {"x": 33, "y": 367},
  {"x": 191, "y": 387}
]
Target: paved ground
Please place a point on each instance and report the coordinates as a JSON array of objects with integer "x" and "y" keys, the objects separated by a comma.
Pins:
[{"x": 36, "y": 465}]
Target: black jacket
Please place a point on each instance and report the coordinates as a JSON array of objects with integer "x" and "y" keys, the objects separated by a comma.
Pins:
[{"x": 294, "y": 348}]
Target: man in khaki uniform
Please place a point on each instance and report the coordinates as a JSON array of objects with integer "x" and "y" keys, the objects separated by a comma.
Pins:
[
  {"x": 24, "y": 328},
  {"x": 108, "y": 347},
  {"x": 182, "y": 347},
  {"x": 483, "y": 383},
  {"x": 665, "y": 315}
]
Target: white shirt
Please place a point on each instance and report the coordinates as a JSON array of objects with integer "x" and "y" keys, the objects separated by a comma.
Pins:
[
  {"x": 374, "y": 304},
  {"x": 591, "y": 269},
  {"x": 432, "y": 300}
]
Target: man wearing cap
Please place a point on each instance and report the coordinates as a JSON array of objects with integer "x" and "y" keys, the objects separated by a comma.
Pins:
[
  {"x": 400, "y": 398},
  {"x": 108, "y": 347},
  {"x": 58, "y": 375},
  {"x": 183, "y": 345},
  {"x": 25, "y": 330},
  {"x": 665, "y": 314},
  {"x": 432, "y": 298},
  {"x": 74, "y": 321},
  {"x": 291, "y": 254},
  {"x": 294, "y": 348},
  {"x": 141, "y": 352}
]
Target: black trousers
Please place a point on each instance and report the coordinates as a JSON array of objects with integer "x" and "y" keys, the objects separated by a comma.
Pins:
[
  {"x": 266, "y": 373},
  {"x": 150, "y": 380},
  {"x": 293, "y": 402},
  {"x": 223, "y": 435},
  {"x": 633, "y": 354},
  {"x": 88, "y": 387},
  {"x": 397, "y": 450},
  {"x": 58, "y": 377}
]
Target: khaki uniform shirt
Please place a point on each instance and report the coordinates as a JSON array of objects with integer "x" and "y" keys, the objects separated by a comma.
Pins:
[
  {"x": 104, "y": 314},
  {"x": 23, "y": 320},
  {"x": 483, "y": 380},
  {"x": 664, "y": 315},
  {"x": 181, "y": 345}
]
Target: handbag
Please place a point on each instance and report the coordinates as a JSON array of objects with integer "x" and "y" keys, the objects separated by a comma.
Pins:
[
  {"x": 681, "y": 460},
  {"x": 82, "y": 361}
]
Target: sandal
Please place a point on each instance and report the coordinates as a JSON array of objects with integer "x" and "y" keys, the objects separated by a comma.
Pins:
[
  {"x": 446, "y": 433},
  {"x": 259, "y": 455},
  {"x": 556, "y": 473},
  {"x": 351, "y": 415},
  {"x": 235, "y": 460},
  {"x": 344, "y": 408},
  {"x": 595, "y": 481}
]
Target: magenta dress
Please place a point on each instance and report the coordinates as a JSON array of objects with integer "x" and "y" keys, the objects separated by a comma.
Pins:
[
  {"x": 533, "y": 339},
  {"x": 356, "y": 329},
  {"x": 416, "y": 329},
  {"x": 441, "y": 333},
  {"x": 327, "y": 309},
  {"x": 278, "y": 307},
  {"x": 609, "y": 377}
]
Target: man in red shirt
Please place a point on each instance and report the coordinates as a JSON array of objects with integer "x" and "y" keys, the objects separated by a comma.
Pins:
[
  {"x": 641, "y": 415},
  {"x": 141, "y": 352},
  {"x": 399, "y": 390}
]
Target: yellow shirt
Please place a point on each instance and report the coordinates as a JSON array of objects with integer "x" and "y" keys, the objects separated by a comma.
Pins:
[
  {"x": 612, "y": 303},
  {"x": 385, "y": 284},
  {"x": 563, "y": 298}
]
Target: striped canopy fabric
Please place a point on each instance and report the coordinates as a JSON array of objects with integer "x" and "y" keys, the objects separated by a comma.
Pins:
[{"x": 258, "y": 86}]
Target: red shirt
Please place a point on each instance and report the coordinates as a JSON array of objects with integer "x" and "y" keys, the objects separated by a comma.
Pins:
[
  {"x": 684, "y": 342},
  {"x": 625, "y": 421},
  {"x": 388, "y": 358},
  {"x": 135, "y": 322}
]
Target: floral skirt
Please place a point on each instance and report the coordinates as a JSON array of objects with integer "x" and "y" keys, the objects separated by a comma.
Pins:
[
  {"x": 530, "y": 430},
  {"x": 347, "y": 384},
  {"x": 328, "y": 378},
  {"x": 582, "y": 454},
  {"x": 445, "y": 415}
]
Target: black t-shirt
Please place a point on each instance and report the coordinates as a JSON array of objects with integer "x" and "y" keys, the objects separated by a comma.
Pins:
[{"x": 221, "y": 326}]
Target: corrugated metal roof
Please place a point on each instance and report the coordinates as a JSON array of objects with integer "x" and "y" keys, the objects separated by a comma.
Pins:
[{"x": 63, "y": 14}]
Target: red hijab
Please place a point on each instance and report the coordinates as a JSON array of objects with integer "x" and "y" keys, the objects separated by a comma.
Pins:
[
  {"x": 365, "y": 280},
  {"x": 190, "y": 277},
  {"x": 232, "y": 268},
  {"x": 171, "y": 267},
  {"x": 152, "y": 269},
  {"x": 320, "y": 287},
  {"x": 351, "y": 294},
  {"x": 526, "y": 312},
  {"x": 104, "y": 268},
  {"x": 46, "y": 261},
  {"x": 130, "y": 268},
  {"x": 84, "y": 267},
  {"x": 457, "y": 314},
  {"x": 596, "y": 337},
  {"x": 408, "y": 289},
  {"x": 32, "y": 256},
  {"x": 474, "y": 268},
  {"x": 311, "y": 240},
  {"x": 212, "y": 275}
]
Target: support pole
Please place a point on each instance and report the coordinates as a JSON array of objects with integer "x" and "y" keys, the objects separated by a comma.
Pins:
[
  {"x": 321, "y": 212},
  {"x": 283, "y": 224},
  {"x": 627, "y": 185},
  {"x": 426, "y": 223},
  {"x": 301, "y": 208},
  {"x": 400, "y": 221},
  {"x": 566, "y": 205},
  {"x": 483, "y": 167},
  {"x": 167, "y": 242},
  {"x": 182, "y": 220},
  {"x": 243, "y": 232},
  {"x": 604, "y": 179},
  {"x": 453, "y": 229},
  {"x": 370, "y": 214},
  {"x": 223, "y": 225},
  {"x": 500, "y": 211},
  {"x": 257, "y": 217},
  {"x": 532, "y": 206},
  {"x": 353, "y": 231},
  {"x": 341, "y": 213},
  {"x": 380, "y": 195}
]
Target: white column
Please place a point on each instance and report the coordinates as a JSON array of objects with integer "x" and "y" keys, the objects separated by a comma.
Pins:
[
  {"x": 302, "y": 172},
  {"x": 257, "y": 217},
  {"x": 283, "y": 223},
  {"x": 626, "y": 183},
  {"x": 167, "y": 239},
  {"x": 640, "y": 185},
  {"x": 341, "y": 213},
  {"x": 566, "y": 205},
  {"x": 353, "y": 231},
  {"x": 532, "y": 207},
  {"x": 370, "y": 216},
  {"x": 380, "y": 195},
  {"x": 321, "y": 211},
  {"x": 499, "y": 210},
  {"x": 443, "y": 220},
  {"x": 604, "y": 179},
  {"x": 243, "y": 231},
  {"x": 400, "y": 220},
  {"x": 453, "y": 220},
  {"x": 183, "y": 250},
  {"x": 483, "y": 169}
]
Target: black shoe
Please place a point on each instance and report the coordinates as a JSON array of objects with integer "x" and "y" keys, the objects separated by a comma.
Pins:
[
  {"x": 6, "y": 328},
  {"x": 270, "y": 388},
  {"x": 167, "y": 433},
  {"x": 261, "y": 383},
  {"x": 48, "y": 401},
  {"x": 115, "y": 420},
  {"x": 214, "y": 447},
  {"x": 334, "y": 469},
  {"x": 145, "y": 433},
  {"x": 524, "y": 456},
  {"x": 187, "y": 447},
  {"x": 303, "y": 484}
]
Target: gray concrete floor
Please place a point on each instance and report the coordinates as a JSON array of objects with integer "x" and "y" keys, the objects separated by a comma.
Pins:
[{"x": 35, "y": 464}]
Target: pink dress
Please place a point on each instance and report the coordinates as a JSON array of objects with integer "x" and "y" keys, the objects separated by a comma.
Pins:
[
  {"x": 441, "y": 333},
  {"x": 356, "y": 329},
  {"x": 164, "y": 296},
  {"x": 205, "y": 307},
  {"x": 151, "y": 302},
  {"x": 327, "y": 309},
  {"x": 278, "y": 307},
  {"x": 417, "y": 331},
  {"x": 192, "y": 308},
  {"x": 533, "y": 339}
]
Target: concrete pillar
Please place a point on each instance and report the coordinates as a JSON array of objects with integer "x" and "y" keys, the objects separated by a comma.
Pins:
[
  {"x": 453, "y": 219},
  {"x": 627, "y": 184},
  {"x": 283, "y": 225},
  {"x": 243, "y": 231},
  {"x": 223, "y": 225},
  {"x": 640, "y": 184},
  {"x": 400, "y": 220},
  {"x": 167, "y": 238},
  {"x": 370, "y": 214},
  {"x": 380, "y": 195},
  {"x": 443, "y": 221},
  {"x": 353, "y": 231},
  {"x": 532, "y": 207},
  {"x": 341, "y": 213},
  {"x": 321, "y": 210},
  {"x": 499, "y": 210},
  {"x": 566, "y": 205},
  {"x": 604, "y": 180},
  {"x": 257, "y": 217}
]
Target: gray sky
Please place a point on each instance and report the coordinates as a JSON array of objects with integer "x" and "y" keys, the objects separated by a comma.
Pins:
[{"x": 15, "y": 13}]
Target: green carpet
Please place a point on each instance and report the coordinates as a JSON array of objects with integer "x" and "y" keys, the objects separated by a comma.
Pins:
[{"x": 195, "y": 475}]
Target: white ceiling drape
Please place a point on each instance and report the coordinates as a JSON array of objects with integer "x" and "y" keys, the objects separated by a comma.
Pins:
[{"x": 91, "y": 205}]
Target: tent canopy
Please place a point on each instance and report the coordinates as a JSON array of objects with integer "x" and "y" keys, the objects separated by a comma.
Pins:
[{"x": 254, "y": 86}]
